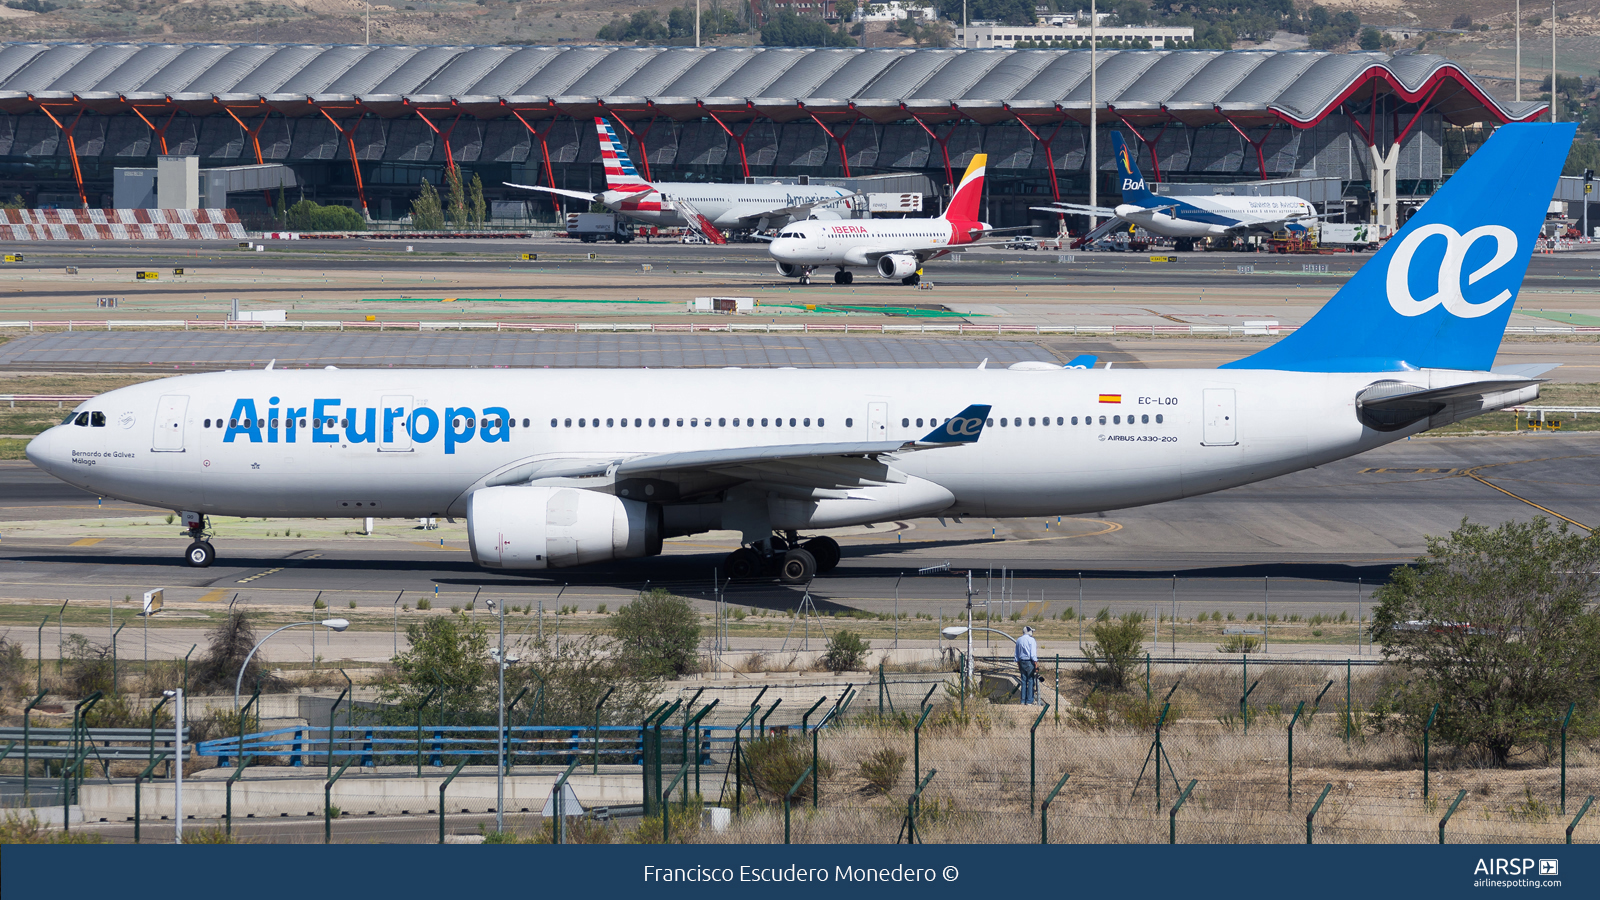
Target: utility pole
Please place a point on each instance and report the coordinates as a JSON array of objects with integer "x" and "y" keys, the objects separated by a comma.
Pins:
[
  {"x": 1094, "y": 122},
  {"x": 697, "y": 23},
  {"x": 1553, "y": 110},
  {"x": 1518, "y": 78}
]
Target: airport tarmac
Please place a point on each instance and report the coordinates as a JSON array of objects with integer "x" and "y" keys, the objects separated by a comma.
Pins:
[
  {"x": 1295, "y": 544},
  {"x": 487, "y": 281}
]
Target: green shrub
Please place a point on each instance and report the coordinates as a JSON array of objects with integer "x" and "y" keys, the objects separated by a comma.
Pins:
[
  {"x": 1117, "y": 647},
  {"x": 308, "y": 215},
  {"x": 16, "y": 830},
  {"x": 659, "y": 633},
  {"x": 774, "y": 763},
  {"x": 424, "y": 603},
  {"x": 846, "y": 651},
  {"x": 882, "y": 767},
  {"x": 1240, "y": 643},
  {"x": 210, "y": 834}
]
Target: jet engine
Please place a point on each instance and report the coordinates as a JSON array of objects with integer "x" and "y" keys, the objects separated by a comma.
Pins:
[
  {"x": 528, "y": 527},
  {"x": 790, "y": 270},
  {"x": 897, "y": 265}
]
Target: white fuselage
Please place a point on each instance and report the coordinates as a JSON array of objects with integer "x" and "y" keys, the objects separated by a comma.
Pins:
[
  {"x": 861, "y": 242},
  {"x": 1216, "y": 216},
  {"x": 726, "y": 205},
  {"x": 408, "y": 443}
]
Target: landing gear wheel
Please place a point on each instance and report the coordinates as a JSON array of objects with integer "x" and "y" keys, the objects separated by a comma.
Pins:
[
  {"x": 1184, "y": 245},
  {"x": 200, "y": 554},
  {"x": 742, "y": 563},
  {"x": 798, "y": 566},
  {"x": 911, "y": 279},
  {"x": 843, "y": 277},
  {"x": 805, "y": 279},
  {"x": 826, "y": 551}
]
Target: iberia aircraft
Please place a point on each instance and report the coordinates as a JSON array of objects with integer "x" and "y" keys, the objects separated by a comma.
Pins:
[
  {"x": 897, "y": 248},
  {"x": 676, "y": 203},
  {"x": 555, "y": 467}
]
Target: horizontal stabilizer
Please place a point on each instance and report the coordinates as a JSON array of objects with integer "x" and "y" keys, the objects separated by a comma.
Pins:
[{"x": 576, "y": 195}]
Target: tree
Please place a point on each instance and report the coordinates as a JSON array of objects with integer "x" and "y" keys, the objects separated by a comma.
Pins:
[
  {"x": 1371, "y": 39},
  {"x": 1461, "y": 22},
  {"x": 659, "y": 634},
  {"x": 227, "y": 645},
  {"x": 450, "y": 653},
  {"x": 455, "y": 204},
  {"x": 846, "y": 651},
  {"x": 308, "y": 215},
  {"x": 845, "y": 9},
  {"x": 1118, "y": 644},
  {"x": 477, "y": 208},
  {"x": 643, "y": 25},
  {"x": 1493, "y": 625},
  {"x": 426, "y": 213},
  {"x": 789, "y": 30}
]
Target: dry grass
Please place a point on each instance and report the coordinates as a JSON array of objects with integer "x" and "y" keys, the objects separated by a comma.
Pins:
[{"x": 981, "y": 791}]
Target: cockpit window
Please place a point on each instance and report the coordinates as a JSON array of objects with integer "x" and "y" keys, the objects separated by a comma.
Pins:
[
  {"x": 83, "y": 420},
  {"x": 97, "y": 419},
  {"x": 70, "y": 416}
]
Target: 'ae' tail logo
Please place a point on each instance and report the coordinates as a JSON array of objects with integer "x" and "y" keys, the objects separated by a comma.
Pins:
[{"x": 1449, "y": 292}]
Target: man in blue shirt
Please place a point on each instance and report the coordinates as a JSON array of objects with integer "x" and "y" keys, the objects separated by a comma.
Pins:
[{"x": 1027, "y": 663}]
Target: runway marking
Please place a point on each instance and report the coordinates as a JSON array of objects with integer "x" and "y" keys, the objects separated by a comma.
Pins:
[
  {"x": 85, "y": 542},
  {"x": 1473, "y": 474},
  {"x": 213, "y": 596},
  {"x": 288, "y": 565},
  {"x": 431, "y": 546},
  {"x": 1407, "y": 471},
  {"x": 1034, "y": 608}
]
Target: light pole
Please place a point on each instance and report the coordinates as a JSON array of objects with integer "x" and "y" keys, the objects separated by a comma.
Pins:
[
  {"x": 955, "y": 631},
  {"x": 331, "y": 624},
  {"x": 501, "y": 660},
  {"x": 177, "y": 743}
]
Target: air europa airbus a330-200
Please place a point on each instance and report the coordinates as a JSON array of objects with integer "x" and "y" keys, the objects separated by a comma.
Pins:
[{"x": 566, "y": 467}]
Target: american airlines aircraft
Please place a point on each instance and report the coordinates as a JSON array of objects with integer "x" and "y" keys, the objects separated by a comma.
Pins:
[
  {"x": 726, "y": 206},
  {"x": 558, "y": 467},
  {"x": 1189, "y": 218},
  {"x": 897, "y": 248}
]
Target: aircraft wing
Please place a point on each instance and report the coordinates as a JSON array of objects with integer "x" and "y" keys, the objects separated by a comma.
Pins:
[
  {"x": 577, "y": 195},
  {"x": 1078, "y": 208},
  {"x": 827, "y": 466}
]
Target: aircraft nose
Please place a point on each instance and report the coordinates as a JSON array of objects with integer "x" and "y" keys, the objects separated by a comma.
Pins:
[{"x": 40, "y": 450}]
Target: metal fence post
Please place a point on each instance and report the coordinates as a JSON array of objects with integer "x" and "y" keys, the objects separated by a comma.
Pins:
[
  {"x": 596, "y": 766},
  {"x": 1564, "y": 723},
  {"x": 238, "y": 772},
  {"x": 666, "y": 805},
  {"x": 327, "y": 802},
  {"x": 647, "y": 758},
  {"x": 1578, "y": 817},
  {"x": 27, "y": 737},
  {"x": 916, "y": 746},
  {"x": 1297, "y": 711},
  {"x": 1349, "y": 712},
  {"x": 696, "y": 723},
  {"x": 789, "y": 797},
  {"x": 1425, "y": 729},
  {"x": 1452, "y": 811},
  {"x": 1172, "y": 817},
  {"x": 913, "y": 806},
  {"x": 1316, "y": 806},
  {"x": 558, "y": 827},
  {"x": 420, "y": 707},
  {"x": 442, "y": 786},
  {"x": 1033, "y": 755},
  {"x": 137, "y": 783},
  {"x": 1044, "y": 809}
]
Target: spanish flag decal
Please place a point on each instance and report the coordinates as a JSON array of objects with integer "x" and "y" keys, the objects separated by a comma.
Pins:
[{"x": 1110, "y": 398}]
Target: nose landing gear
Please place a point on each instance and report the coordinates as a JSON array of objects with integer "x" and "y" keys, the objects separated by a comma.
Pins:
[
  {"x": 200, "y": 553},
  {"x": 791, "y": 561}
]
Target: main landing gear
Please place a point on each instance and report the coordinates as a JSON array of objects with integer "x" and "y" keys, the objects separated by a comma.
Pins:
[
  {"x": 200, "y": 552},
  {"x": 843, "y": 276},
  {"x": 792, "y": 561},
  {"x": 913, "y": 278}
]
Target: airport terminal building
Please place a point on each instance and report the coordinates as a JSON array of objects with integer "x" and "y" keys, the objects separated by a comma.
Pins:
[{"x": 365, "y": 125}]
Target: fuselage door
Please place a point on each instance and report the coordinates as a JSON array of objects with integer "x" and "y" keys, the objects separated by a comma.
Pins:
[
  {"x": 877, "y": 421},
  {"x": 394, "y": 424},
  {"x": 171, "y": 411},
  {"x": 1221, "y": 425},
  {"x": 821, "y": 237}
]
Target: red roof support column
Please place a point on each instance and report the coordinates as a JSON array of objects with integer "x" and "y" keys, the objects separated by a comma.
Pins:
[
  {"x": 544, "y": 148},
  {"x": 1049, "y": 156},
  {"x": 844, "y": 155},
  {"x": 72, "y": 148},
  {"x": 161, "y": 132},
  {"x": 949, "y": 174},
  {"x": 744, "y": 160},
  {"x": 255, "y": 142},
  {"x": 349, "y": 136},
  {"x": 449, "y": 155},
  {"x": 1261, "y": 159}
]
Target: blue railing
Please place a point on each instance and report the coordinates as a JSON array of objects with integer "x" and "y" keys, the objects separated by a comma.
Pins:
[{"x": 376, "y": 745}]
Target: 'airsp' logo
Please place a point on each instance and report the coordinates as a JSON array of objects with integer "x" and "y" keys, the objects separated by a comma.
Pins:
[{"x": 1448, "y": 293}]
